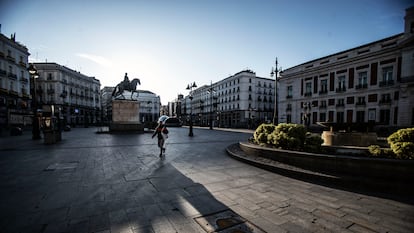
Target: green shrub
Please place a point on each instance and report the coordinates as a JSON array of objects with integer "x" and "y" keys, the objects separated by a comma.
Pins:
[
  {"x": 313, "y": 143},
  {"x": 375, "y": 150},
  {"x": 283, "y": 136},
  {"x": 403, "y": 150},
  {"x": 262, "y": 132},
  {"x": 402, "y": 143}
]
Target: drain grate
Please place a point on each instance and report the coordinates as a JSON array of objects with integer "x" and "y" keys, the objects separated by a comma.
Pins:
[
  {"x": 226, "y": 222},
  {"x": 62, "y": 166}
]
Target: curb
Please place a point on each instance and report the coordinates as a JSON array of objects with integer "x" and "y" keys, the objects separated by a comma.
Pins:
[{"x": 347, "y": 182}]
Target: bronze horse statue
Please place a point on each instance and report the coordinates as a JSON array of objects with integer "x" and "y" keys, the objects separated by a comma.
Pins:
[{"x": 126, "y": 85}]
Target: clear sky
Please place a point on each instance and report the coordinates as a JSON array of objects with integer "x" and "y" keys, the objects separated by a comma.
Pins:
[{"x": 168, "y": 44}]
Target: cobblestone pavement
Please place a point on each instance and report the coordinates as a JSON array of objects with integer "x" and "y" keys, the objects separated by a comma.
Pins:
[{"x": 92, "y": 182}]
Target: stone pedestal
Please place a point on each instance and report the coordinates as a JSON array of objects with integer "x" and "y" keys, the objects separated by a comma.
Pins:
[
  {"x": 349, "y": 139},
  {"x": 125, "y": 116}
]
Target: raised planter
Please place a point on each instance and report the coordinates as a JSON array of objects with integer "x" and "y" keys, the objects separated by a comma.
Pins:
[{"x": 391, "y": 173}]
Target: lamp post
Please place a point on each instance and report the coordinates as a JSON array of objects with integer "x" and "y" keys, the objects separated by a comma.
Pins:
[
  {"x": 211, "y": 91},
  {"x": 35, "y": 122},
  {"x": 275, "y": 71},
  {"x": 190, "y": 88}
]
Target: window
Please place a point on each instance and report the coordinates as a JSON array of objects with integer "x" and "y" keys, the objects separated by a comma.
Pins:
[
  {"x": 322, "y": 117},
  {"x": 324, "y": 86},
  {"x": 341, "y": 84},
  {"x": 288, "y": 118},
  {"x": 387, "y": 73},
  {"x": 385, "y": 98},
  {"x": 362, "y": 80},
  {"x": 360, "y": 116},
  {"x": 323, "y": 104},
  {"x": 340, "y": 102},
  {"x": 361, "y": 100},
  {"x": 340, "y": 117},
  {"x": 385, "y": 116},
  {"x": 308, "y": 90},
  {"x": 289, "y": 92}
]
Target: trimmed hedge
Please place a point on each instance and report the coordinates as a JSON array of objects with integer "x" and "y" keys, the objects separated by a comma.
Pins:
[
  {"x": 401, "y": 145},
  {"x": 288, "y": 137}
]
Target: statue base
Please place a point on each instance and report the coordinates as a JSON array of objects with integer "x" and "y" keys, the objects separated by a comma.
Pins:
[
  {"x": 126, "y": 127},
  {"x": 125, "y": 116}
]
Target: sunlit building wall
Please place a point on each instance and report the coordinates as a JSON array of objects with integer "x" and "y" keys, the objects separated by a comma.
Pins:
[
  {"x": 370, "y": 83},
  {"x": 242, "y": 100}
]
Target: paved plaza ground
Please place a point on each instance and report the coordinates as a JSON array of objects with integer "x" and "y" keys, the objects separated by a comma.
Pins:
[{"x": 93, "y": 182}]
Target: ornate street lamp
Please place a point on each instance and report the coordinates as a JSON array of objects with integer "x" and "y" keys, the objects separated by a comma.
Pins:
[
  {"x": 275, "y": 71},
  {"x": 35, "y": 121},
  {"x": 190, "y": 88}
]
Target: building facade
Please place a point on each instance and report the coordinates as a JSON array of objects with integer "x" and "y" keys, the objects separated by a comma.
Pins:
[
  {"x": 75, "y": 96},
  {"x": 149, "y": 106},
  {"x": 242, "y": 100},
  {"x": 372, "y": 83},
  {"x": 15, "y": 108},
  {"x": 174, "y": 107}
]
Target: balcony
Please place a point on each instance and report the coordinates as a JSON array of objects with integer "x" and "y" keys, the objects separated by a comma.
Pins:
[
  {"x": 50, "y": 91},
  {"x": 12, "y": 76},
  {"x": 386, "y": 83},
  {"x": 289, "y": 108},
  {"x": 24, "y": 80},
  {"x": 340, "y": 89},
  {"x": 360, "y": 103},
  {"x": 22, "y": 64},
  {"x": 10, "y": 58},
  {"x": 322, "y": 107},
  {"x": 289, "y": 97},
  {"x": 308, "y": 94},
  {"x": 3, "y": 73},
  {"x": 14, "y": 93},
  {"x": 338, "y": 105},
  {"x": 361, "y": 86},
  {"x": 324, "y": 91}
]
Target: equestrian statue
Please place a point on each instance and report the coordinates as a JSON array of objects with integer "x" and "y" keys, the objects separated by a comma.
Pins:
[{"x": 126, "y": 85}]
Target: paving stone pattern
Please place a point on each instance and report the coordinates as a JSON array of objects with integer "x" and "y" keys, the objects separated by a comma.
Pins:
[{"x": 117, "y": 183}]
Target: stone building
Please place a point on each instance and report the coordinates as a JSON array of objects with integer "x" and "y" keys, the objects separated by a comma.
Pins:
[
  {"x": 15, "y": 108},
  {"x": 74, "y": 95},
  {"x": 372, "y": 83},
  {"x": 240, "y": 101}
]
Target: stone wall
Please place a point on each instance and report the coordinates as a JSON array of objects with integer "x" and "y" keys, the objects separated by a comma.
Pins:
[
  {"x": 125, "y": 111},
  {"x": 125, "y": 116}
]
